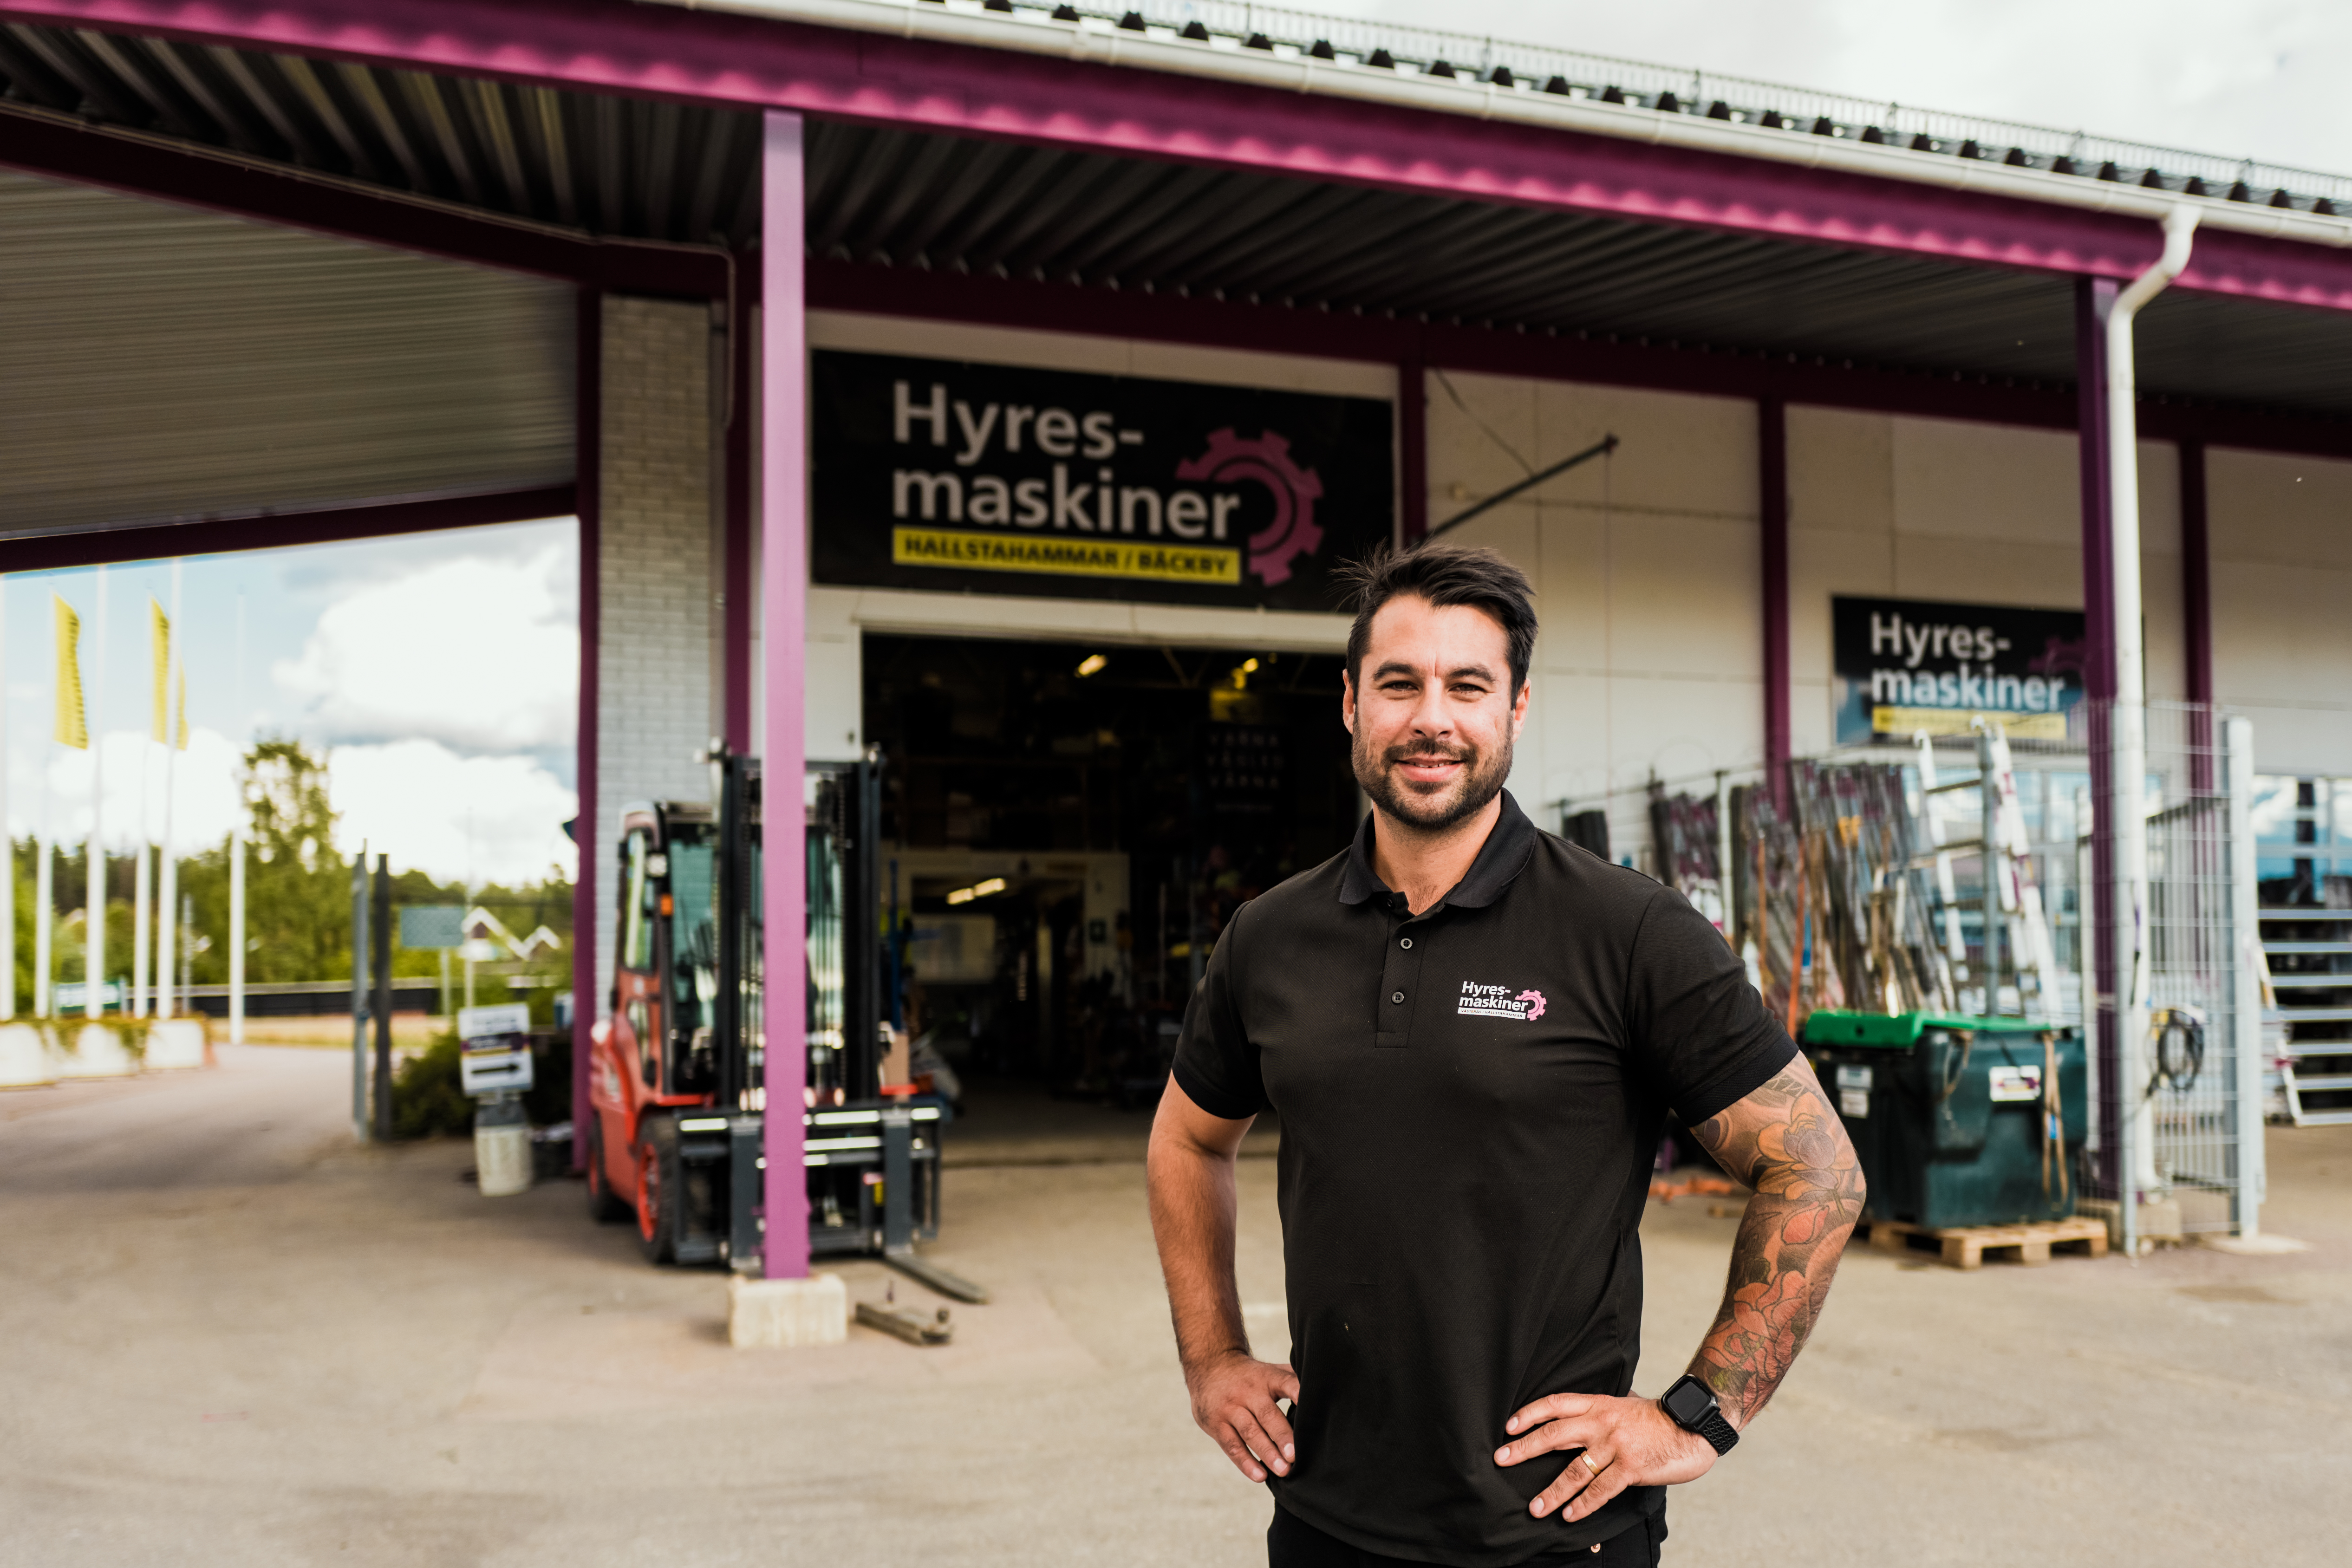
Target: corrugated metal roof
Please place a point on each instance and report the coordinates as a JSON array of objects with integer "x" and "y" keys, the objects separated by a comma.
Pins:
[
  {"x": 658, "y": 171},
  {"x": 909, "y": 199},
  {"x": 158, "y": 364},
  {"x": 608, "y": 165}
]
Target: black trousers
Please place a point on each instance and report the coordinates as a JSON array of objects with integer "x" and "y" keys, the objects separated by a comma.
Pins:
[{"x": 1292, "y": 1543}]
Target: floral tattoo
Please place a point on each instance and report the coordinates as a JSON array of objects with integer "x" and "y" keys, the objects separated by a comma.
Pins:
[{"x": 1786, "y": 1143}]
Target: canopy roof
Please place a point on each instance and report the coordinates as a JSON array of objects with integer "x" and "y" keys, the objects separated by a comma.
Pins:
[{"x": 894, "y": 182}]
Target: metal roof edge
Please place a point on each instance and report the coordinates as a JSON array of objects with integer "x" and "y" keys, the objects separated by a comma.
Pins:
[{"x": 1094, "y": 43}]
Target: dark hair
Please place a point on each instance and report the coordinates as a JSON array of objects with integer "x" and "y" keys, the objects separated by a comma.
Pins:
[{"x": 1445, "y": 575}]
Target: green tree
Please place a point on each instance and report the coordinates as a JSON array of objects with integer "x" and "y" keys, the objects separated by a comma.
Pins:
[{"x": 297, "y": 900}]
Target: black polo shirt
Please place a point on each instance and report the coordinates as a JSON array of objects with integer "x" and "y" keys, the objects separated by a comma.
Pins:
[{"x": 1470, "y": 1100}]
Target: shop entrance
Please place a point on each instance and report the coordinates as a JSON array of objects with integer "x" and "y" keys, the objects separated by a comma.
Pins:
[{"x": 1070, "y": 826}]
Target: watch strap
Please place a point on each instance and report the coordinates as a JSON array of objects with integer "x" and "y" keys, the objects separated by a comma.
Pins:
[{"x": 1716, "y": 1431}]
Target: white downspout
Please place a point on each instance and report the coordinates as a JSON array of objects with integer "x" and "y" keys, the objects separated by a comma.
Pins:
[{"x": 2127, "y": 731}]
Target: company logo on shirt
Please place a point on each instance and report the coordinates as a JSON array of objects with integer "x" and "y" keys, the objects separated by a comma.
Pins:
[{"x": 1498, "y": 1003}]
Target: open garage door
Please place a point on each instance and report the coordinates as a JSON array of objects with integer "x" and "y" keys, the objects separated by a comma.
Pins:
[{"x": 162, "y": 364}]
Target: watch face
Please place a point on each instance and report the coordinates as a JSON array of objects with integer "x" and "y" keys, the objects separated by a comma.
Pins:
[{"x": 1688, "y": 1402}]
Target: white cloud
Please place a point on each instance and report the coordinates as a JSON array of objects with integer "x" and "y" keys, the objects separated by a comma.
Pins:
[
  {"x": 478, "y": 653},
  {"x": 50, "y": 789},
  {"x": 480, "y": 818}
]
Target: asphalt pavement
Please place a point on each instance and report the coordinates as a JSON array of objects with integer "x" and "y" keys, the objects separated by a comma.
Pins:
[{"x": 229, "y": 1336}]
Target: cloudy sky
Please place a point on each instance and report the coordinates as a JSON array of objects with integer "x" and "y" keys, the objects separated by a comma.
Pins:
[
  {"x": 2258, "y": 79},
  {"x": 438, "y": 672}
]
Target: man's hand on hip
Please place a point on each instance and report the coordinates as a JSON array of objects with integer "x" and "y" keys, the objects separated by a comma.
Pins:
[
  {"x": 1626, "y": 1443},
  {"x": 1233, "y": 1399}
]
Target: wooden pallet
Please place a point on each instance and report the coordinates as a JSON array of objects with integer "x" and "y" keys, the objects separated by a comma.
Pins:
[{"x": 1964, "y": 1247}]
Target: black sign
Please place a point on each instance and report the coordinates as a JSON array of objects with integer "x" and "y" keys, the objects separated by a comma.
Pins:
[
  {"x": 1904, "y": 665},
  {"x": 934, "y": 474}
]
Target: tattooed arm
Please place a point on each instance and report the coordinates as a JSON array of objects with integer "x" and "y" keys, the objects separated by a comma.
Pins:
[{"x": 1786, "y": 1142}]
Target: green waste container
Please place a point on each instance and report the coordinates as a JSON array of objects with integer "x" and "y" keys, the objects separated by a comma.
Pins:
[{"x": 1952, "y": 1118}]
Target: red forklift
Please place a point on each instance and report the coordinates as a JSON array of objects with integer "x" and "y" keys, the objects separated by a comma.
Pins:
[{"x": 676, "y": 1092}]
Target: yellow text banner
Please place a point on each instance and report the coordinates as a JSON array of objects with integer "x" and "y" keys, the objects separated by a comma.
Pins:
[{"x": 1065, "y": 556}]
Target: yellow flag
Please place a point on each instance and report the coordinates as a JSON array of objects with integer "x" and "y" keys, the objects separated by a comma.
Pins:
[
  {"x": 71, "y": 730},
  {"x": 159, "y": 638},
  {"x": 184, "y": 702}
]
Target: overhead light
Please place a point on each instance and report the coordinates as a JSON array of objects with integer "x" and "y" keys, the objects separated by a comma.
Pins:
[
  {"x": 977, "y": 890},
  {"x": 1249, "y": 666},
  {"x": 1092, "y": 664}
]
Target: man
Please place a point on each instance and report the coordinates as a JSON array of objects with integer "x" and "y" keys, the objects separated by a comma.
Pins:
[{"x": 1473, "y": 1031}]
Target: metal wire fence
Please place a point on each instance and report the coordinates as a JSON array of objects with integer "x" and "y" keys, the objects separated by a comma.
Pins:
[{"x": 1868, "y": 884}]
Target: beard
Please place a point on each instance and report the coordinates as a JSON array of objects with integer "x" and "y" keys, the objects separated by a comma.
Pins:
[{"x": 1431, "y": 811}]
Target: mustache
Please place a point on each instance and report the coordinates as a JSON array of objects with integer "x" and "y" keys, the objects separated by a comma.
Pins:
[{"x": 1428, "y": 751}]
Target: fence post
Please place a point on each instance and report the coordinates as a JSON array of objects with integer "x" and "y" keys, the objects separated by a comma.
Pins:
[{"x": 2246, "y": 991}]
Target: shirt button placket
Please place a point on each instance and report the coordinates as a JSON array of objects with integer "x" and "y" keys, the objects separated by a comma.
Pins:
[{"x": 1400, "y": 978}]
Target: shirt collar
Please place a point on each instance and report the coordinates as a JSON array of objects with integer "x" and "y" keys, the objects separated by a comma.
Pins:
[{"x": 1509, "y": 845}]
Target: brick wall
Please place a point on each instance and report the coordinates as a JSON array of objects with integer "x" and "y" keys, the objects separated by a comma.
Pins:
[{"x": 655, "y": 697}]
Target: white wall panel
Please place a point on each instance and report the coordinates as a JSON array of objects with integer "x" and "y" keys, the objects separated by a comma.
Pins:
[
  {"x": 1646, "y": 570},
  {"x": 2281, "y": 533}
]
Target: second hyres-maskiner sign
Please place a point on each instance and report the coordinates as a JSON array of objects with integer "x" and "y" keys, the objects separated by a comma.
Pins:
[
  {"x": 1904, "y": 665},
  {"x": 939, "y": 474}
]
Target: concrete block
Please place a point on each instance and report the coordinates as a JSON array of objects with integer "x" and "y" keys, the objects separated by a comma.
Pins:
[
  {"x": 97, "y": 1051},
  {"x": 786, "y": 1313},
  {"x": 177, "y": 1042},
  {"x": 26, "y": 1059}
]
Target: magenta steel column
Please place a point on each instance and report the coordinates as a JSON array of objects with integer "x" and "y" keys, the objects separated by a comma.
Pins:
[
  {"x": 587, "y": 458},
  {"x": 784, "y": 613},
  {"x": 1772, "y": 512},
  {"x": 2094, "y": 298},
  {"x": 742, "y": 403},
  {"x": 2196, "y": 612},
  {"x": 1412, "y": 447}
]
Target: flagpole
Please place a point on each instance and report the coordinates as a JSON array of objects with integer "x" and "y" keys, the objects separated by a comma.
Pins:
[
  {"x": 93, "y": 936},
  {"x": 168, "y": 936},
  {"x": 237, "y": 860},
  {"x": 142, "y": 904}
]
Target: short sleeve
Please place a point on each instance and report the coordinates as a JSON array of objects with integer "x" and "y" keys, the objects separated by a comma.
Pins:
[
  {"x": 1699, "y": 1031},
  {"x": 1216, "y": 1065}
]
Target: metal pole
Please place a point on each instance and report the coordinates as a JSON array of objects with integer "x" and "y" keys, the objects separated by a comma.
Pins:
[
  {"x": 237, "y": 938},
  {"x": 2246, "y": 990},
  {"x": 380, "y": 941},
  {"x": 93, "y": 930},
  {"x": 360, "y": 993},
  {"x": 168, "y": 938},
  {"x": 236, "y": 932}
]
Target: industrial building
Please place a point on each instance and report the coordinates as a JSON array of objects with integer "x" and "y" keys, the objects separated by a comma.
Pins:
[{"x": 902, "y": 360}]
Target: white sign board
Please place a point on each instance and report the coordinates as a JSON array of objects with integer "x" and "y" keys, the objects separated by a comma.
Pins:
[{"x": 494, "y": 1044}]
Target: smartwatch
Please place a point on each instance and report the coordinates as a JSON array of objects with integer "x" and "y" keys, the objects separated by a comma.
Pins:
[{"x": 1691, "y": 1405}]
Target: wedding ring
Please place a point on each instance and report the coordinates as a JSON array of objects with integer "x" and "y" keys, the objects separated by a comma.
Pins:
[{"x": 1589, "y": 1464}]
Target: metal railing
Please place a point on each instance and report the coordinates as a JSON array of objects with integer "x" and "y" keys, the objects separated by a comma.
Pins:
[{"x": 1537, "y": 67}]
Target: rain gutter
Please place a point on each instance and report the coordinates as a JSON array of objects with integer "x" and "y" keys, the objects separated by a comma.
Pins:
[{"x": 1098, "y": 43}]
